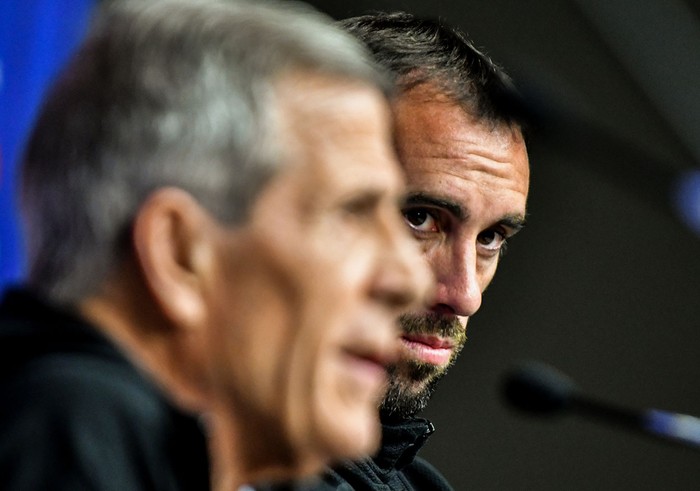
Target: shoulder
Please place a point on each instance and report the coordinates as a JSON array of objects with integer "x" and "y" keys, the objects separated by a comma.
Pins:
[
  {"x": 81, "y": 420},
  {"x": 78, "y": 385},
  {"x": 75, "y": 413}
]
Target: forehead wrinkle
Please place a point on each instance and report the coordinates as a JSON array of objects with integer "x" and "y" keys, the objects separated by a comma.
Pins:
[
  {"x": 442, "y": 126},
  {"x": 477, "y": 171},
  {"x": 480, "y": 150},
  {"x": 461, "y": 141}
]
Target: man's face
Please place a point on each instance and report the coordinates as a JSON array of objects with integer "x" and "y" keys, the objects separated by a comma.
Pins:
[
  {"x": 311, "y": 286},
  {"x": 467, "y": 191}
]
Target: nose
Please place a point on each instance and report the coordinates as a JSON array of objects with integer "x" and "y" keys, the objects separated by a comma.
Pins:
[
  {"x": 403, "y": 279},
  {"x": 458, "y": 290}
]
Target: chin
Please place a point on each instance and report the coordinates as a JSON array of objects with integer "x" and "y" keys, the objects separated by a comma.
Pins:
[{"x": 353, "y": 435}]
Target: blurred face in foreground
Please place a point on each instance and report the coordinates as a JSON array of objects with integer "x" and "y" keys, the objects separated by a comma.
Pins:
[
  {"x": 467, "y": 191},
  {"x": 309, "y": 288}
]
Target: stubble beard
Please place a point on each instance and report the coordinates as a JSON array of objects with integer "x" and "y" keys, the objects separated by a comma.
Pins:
[{"x": 412, "y": 382}]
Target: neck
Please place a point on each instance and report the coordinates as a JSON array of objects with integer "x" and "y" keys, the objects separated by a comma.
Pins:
[
  {"x": 228, "y": 463},
  {"x": 245, "y": 448},
  {"x": 124, "y": 311}
]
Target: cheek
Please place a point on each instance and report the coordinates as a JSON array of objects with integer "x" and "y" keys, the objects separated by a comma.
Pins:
[
  {"x": 327, "y": 409},
  {"x": 255, "y": 318},
  {"x": 322, "y": 314},
  {"x": 486, "y": 272},
  {"x": 242, "y": 367},
  {"x": 440, "y": 258},
  {"x": 347, "y": 420}
]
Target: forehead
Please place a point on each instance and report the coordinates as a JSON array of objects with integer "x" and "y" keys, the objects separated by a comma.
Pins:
[
  {"x": 448, "y": 153},
  {"x": 335, "y": 140}
]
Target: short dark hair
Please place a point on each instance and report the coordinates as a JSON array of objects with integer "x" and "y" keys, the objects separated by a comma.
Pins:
[{"x": 416, "y": 51}]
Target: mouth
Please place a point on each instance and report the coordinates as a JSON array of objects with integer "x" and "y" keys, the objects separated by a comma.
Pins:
[
  {"x": 369, "y": 367},
  {"x": 428, "y": 348}
]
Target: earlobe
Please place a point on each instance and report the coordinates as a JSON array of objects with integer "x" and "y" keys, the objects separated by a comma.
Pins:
[{"x": 174, "y": 255}]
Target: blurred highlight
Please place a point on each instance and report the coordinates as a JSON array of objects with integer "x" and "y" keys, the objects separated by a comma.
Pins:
[{"x": 686, "y": 199}]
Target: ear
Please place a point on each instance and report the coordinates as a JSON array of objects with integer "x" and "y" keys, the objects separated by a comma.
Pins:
[{"x": 174, "y": 252}]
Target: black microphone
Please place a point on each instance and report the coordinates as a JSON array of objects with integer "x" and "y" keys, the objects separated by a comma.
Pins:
[{"x": 539, "y": 389}]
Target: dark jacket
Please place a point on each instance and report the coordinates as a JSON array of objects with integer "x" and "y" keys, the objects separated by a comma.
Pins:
[
  {"x": 75, "y": 414},
  {"x": 396, "y": 467}
]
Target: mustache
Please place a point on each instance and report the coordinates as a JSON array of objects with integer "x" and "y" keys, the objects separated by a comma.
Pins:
[{"x": 431, "y": 323}]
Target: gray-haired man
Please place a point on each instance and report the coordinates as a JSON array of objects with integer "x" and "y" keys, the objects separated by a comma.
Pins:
[{"x": 211, "y": 203}]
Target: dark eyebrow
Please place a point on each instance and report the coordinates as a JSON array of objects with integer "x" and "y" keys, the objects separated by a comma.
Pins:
[
  {"x": 513, "y": 222},
  {"x": 415, "y": 199}
]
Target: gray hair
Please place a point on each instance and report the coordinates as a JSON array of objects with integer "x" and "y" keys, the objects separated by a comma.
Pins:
[{"x": 164, "y": 93}]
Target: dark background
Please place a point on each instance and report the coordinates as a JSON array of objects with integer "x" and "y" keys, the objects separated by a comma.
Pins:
[{"x": 604, "y": 282}]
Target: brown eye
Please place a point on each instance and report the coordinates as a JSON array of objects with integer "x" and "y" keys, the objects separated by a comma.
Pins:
[
  {"x": 420, "y": 219},
  {"x": 492, "y": 240}
]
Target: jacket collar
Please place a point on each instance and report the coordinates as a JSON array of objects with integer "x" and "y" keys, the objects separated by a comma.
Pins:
[{"x": 401, "y": 440}]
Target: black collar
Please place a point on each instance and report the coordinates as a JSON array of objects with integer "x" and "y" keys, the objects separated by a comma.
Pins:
[{"x": 401, "y": 440}]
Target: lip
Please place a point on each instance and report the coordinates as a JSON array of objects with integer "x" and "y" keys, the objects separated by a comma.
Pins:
[
  {"x": 368, "y": 365},
  {"x": 428, "y": 348},
  {"x": 367, "y": 375}
]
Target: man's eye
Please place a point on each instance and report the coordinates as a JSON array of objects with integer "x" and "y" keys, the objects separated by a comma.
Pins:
[
  {"x": 492, "y": 240},
  {"x": 421, "y": 220},
  {"x": 362, "y": 206}
]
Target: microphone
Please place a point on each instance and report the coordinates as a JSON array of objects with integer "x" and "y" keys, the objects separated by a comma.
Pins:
[{"x": 539, "y": 389}]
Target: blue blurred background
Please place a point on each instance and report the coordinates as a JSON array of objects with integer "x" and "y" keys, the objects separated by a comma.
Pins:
[{"x": 36, "y": 37}]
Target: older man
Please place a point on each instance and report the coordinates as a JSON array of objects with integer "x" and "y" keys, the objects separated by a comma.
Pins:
[
  {"x": 211, "y": 205},
  {"x": 460, "y": 142}
]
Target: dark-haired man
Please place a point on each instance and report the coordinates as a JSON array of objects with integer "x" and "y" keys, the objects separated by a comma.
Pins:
[{"x": 460, "y": 141}]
